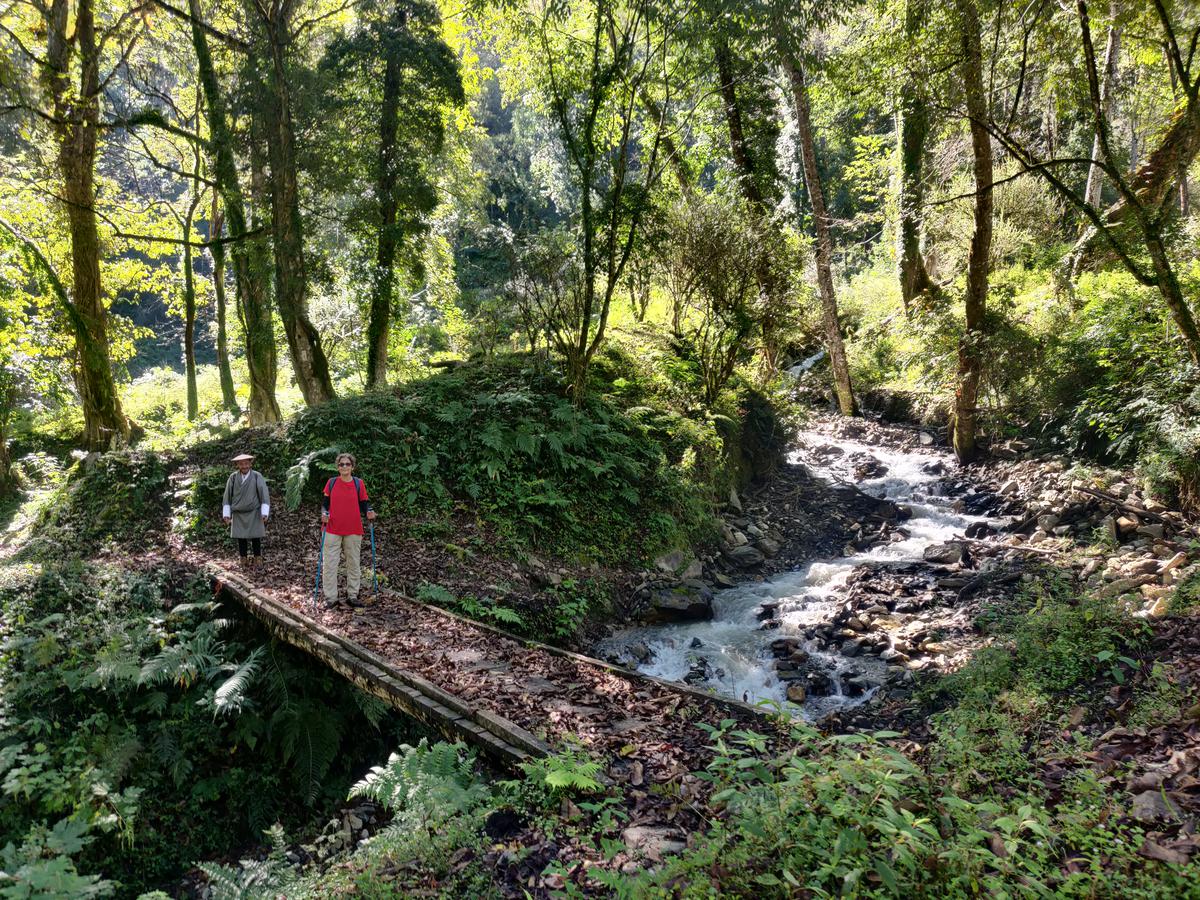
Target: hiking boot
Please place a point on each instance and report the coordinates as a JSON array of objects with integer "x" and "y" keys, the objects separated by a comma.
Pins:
[
  {"x": 330, "y": 604},
  {"x": 356, "y": 603},
  {"x": 244, "y": 563}
]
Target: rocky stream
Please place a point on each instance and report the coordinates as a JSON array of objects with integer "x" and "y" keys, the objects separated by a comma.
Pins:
[{"x": 930, "y": 543}]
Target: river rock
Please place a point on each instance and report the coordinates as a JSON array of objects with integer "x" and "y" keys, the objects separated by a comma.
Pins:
[
  {"x": 671, "y": 563},
  {"x": 679, "y": 604},
  {"x": 819, "y": 684},
  {"x": 641, "y": 652},
  {"x": 735, "y": 502},
  {"x": 1047, "y": 522},
  {"x": 796, "y": 693},
  {"x": 1151, "y": 531},
  {"x": 1143, "y": 567},
  {"x": 784, "y": 646},
  {"x": 745, "y": 556},
  {"x": 1126, "y": 525},
  {"x": 949, "y": 553},
  {"x": 653, "y": 842},
  {"x": 1121, "y": 586},
  {"x": 768, "y": 547}
]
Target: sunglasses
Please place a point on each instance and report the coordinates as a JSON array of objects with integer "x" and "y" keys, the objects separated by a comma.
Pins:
[{"x": 345, "y": 465}]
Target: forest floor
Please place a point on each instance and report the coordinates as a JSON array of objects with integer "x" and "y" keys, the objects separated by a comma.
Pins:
[{"x": 924, "y": 615}]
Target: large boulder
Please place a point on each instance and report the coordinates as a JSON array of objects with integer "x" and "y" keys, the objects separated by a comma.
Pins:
[
  {"x": 680, "y": 603},
  {"x": 682, "y": 563},
  {"x": 745, "y": 556},
  {"x": 947, "y": 554}
]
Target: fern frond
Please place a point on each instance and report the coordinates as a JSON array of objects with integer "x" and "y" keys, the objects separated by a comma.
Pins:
[
  {"x": 373, "y": 709},
  {"x": 231, "y": 695},
  {"x": 436, "y": 781},
  {"x": 298, "y": 474}
]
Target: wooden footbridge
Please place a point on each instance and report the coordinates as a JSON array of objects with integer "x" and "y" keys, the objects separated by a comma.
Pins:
[{"x": 512, "y": 698}]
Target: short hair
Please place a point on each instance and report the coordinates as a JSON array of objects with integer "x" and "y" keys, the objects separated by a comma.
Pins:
[{"x": 349, "y": 456}]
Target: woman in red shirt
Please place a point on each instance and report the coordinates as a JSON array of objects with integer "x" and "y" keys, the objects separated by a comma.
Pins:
[{"x": 344, "y": 504}]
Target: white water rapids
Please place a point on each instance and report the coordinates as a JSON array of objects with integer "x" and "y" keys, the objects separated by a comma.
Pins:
[{"x": 734, "y": 646}]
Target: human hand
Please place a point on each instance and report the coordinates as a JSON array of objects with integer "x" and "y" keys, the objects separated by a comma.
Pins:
[
  {"x": 226, "y": 519},
  {"x": 370, "y": 515},
  {"x": 324, "y": 518},
  {"x": 264, "y": 520}
]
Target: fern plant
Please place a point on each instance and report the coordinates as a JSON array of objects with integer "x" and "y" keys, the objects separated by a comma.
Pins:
[
  {"x": 298, "y": 474},
  {"x": 431, "y": 783},
  {"x": 570, "y": 771},
  {"x": 254, "y": 879}
]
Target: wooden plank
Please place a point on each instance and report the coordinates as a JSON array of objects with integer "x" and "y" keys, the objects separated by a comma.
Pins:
[{"x": 423, "y": 700}]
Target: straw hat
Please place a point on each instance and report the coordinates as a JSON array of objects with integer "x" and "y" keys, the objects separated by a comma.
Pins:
[{"x": 242, "y": 456}]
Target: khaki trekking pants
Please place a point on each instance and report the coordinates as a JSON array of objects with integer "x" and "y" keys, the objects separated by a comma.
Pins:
[{"x": 334, "y": 545}]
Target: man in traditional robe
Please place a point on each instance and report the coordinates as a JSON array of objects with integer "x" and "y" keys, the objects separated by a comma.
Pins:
[{"x": 247, "y": 505}]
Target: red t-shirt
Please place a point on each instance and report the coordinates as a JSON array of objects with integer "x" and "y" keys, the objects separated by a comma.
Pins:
[{"x": 344, "y": 515}]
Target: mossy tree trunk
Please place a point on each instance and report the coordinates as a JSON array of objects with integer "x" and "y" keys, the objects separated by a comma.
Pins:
[
  {"x": 912, "y": 130},
  {"x": 217, "y": 250},
  {"x": 76, "y": 129},
  {"x": 248, "y": 256},
  {"x": 970, "y": 360},
  {"x": 384, "y": 281},
  {"x": 773, "y": 288},
  {"x": 310, "y": 366}
]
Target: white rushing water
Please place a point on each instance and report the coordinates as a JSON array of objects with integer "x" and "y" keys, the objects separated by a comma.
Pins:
[{"x": 734, "y": 651}]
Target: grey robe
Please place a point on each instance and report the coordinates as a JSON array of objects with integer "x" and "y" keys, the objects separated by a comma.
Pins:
[{"x": 245, "y": 502}]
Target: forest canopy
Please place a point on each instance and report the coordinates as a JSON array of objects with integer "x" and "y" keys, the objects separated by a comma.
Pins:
[{"x": 980, "y": 208}]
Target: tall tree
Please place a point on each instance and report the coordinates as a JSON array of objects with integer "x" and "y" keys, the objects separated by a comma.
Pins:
[
  {"x": 593, "y": 82},
  {"x": 275, "y": 32},
  {"x": 186, "y": 225},
  {"x": 773, "y": 288},
  {"x": 216, "y": 249},
  {"x": 970, "y": 358},
  {"x": 1112, "y": 49},
  {"x": 394, "y": 75},
  {"x": 249, "y": 259},
  {"x": 912, "y": 129},
  {"x": 834, "y": 342},
  {"x": 66, "y": 91}
]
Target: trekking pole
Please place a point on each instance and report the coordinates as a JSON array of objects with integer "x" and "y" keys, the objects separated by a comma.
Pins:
[
  {"x": 374, "y": 577},
  {"x": 320, "y": 557}
]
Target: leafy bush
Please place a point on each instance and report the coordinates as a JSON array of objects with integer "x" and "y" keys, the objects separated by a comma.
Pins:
[{"x": 847, "y": 815}]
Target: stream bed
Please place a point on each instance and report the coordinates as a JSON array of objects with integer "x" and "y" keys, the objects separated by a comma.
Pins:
[{"x": 737, "y": 652}]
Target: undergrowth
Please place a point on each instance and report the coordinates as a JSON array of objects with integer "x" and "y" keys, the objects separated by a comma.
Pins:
[{"x": 142, "y": 729}]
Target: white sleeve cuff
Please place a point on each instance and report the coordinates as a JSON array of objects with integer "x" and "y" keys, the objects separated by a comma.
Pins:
[
  {"x": 225, "y": 512},
  {"x": 266, "y": 509}
]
